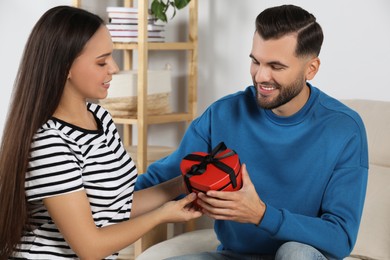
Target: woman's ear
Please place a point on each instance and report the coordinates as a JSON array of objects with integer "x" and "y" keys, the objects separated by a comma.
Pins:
[{"x": 313, "y": 66}]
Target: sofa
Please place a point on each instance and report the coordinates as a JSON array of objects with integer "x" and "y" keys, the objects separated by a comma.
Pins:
[{"x": 374, "y": 234}]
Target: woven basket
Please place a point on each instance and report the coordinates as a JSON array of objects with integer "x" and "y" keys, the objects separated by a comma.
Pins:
[{"x": 156, "y": 104}]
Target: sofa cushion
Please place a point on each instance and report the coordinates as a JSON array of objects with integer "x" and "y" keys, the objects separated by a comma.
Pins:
[
  {"x": 374, "y": 234},
  {"x": 187, "y": 243},
  {"x": 375, "y": 115}
]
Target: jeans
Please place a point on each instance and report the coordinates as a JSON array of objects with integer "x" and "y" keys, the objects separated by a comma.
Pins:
[{"x": 288, "y": 251}]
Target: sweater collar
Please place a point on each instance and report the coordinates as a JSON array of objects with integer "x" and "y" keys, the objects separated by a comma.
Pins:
[{"x": 298, "y": 116}]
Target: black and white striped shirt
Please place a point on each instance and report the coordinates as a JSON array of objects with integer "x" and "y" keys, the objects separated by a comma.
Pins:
[{"x": 65, "y": 158}]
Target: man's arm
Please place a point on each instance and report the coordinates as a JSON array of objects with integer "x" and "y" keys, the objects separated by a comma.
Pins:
[{"x": 169, "y": 167}]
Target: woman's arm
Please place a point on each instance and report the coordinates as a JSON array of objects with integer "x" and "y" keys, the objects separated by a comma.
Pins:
[
  {"x": 72, "y": 215},
  {"x": 153, "y": 197}
]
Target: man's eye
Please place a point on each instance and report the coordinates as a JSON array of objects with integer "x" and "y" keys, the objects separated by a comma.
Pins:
[
  {"x": 255, "y": 61},
  {"x": 102, "y": 64},
  {"x": 277, "y": 67}
]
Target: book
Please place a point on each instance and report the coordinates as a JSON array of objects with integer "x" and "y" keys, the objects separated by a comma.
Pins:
[
  {"x": 127, "y": 15},
  {"x": 123, "y": 21},
  {"x": 125, "y": 12},
  {"x": 120, "y": 9},
  {"x": 127, "y": 39},
  {"x": 113, "y": 20},
  {"x": 128, "y": 27},
  {"x": 125, "y": 33}
]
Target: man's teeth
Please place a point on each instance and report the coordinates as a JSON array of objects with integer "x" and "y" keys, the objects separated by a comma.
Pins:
[{"x": 267, "y": 88}]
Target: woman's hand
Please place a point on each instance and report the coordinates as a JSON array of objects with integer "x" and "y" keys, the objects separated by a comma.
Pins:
[{"x": 180, "y": 210}]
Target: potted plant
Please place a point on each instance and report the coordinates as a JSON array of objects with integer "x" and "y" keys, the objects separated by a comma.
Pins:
[{"x": 159, "y": 8}]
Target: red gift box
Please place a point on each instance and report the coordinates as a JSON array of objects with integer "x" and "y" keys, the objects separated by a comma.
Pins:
[{"x": 220, "y": 170}]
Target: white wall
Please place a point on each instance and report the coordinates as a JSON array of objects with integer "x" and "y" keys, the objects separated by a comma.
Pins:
[
  {"x": 17, "y": 17},
  {"x": 355, "y": 55}
]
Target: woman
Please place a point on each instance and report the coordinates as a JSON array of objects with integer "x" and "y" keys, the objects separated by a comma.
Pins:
[{"x": 66, "y": 182}]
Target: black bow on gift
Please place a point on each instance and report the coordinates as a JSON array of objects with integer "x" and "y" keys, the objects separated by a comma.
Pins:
[{"x": 198, "y": 169}]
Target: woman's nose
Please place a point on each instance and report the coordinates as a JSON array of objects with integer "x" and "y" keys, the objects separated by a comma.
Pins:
[{"x": 113, "y": 67}]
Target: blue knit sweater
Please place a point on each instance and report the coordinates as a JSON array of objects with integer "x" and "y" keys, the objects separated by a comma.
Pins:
[{"x": 310, "y": 169}]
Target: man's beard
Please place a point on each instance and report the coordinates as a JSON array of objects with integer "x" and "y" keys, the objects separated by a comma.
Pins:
[{"x": 286, "y": 93}]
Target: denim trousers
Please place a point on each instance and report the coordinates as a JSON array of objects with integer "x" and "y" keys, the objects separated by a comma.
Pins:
[{"x": 288, "y": 251}]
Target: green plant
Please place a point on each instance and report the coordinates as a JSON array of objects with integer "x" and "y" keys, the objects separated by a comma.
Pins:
[{"x": 159, "y": 8}]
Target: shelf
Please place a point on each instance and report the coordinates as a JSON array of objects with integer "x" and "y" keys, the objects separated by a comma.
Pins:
[
  {"x": 156, "y": 119},
  {"x": 156, "y": 46}
]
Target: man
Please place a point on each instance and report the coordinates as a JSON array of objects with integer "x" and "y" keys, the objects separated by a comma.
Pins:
[{"x": 304, "y": 153}]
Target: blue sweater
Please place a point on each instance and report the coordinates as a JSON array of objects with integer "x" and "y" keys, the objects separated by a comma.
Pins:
[{"x": 310, "y": 169}]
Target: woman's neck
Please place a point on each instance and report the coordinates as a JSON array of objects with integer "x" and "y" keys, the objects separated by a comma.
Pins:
[{"x": 76, "y": 114}]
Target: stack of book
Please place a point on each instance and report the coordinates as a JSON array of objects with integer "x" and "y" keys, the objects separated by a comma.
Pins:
[{"x": 123, "y": 25}]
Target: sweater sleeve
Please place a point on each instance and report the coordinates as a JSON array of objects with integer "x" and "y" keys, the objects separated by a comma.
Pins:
[
  {"x": 199, "y": 137},
  {"x": 169, "y": 167}
]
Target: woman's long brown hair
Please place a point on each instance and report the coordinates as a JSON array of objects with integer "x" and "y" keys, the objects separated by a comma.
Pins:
[{"x": 54, "y": 43}]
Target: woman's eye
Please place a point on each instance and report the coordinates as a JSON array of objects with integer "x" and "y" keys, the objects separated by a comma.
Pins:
[{"x": 102, "y": 64}]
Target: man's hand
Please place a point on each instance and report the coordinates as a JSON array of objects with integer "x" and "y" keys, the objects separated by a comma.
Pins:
[{"x": 243, "y": 206}]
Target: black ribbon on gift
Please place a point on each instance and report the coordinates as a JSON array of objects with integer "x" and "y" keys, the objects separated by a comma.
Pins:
[{"x": 199, "y": 169}]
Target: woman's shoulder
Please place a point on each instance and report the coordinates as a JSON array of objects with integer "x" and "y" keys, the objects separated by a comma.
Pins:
[
  {"x": 101, "y": 113},
  {"x": 52, "y": 134}
]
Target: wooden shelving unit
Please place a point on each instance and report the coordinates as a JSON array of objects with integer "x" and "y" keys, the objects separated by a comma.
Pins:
[
  {"x": 143, "y": 47},
  {"x": 143, "y": 120}
]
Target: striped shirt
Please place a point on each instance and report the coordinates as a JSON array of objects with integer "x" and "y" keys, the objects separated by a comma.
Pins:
[{"x": 65, "y": 158}]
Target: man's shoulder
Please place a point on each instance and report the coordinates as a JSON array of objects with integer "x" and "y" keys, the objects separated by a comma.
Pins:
[
  {"x": 338, "y": 109},
  {"x": 335, "y": 105},
  {"x": 236, "y": 98}
]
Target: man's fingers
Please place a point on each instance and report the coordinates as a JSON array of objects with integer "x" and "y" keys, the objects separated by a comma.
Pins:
[
  {"x": 246, "y": 180},
  {"x": 213, "y": 202}
]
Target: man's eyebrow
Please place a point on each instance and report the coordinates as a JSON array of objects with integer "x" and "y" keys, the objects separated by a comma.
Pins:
[
  {"x": 277, "y": 63},
  {"x": 103, "y": 55},
  {"x": 271, "y": 63}
]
